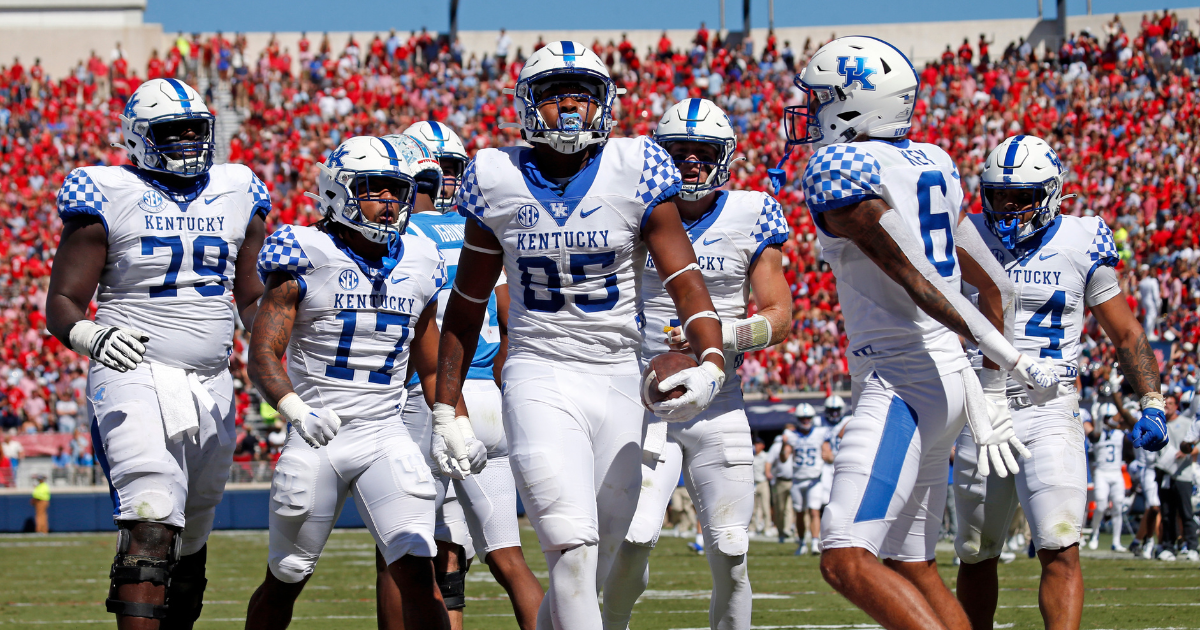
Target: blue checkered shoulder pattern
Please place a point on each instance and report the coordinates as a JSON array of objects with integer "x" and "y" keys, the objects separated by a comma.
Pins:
[
  {"x": 469, "y": 198},
  {"x": 282, "y": 252},
  {"x": 1104, "y": 249},
  {"x": 259, "y": 197},
  {"x": 839, "y": 175},
  {"x": 660, "y": 179},
  {"x": 771, "y": 228},
  {"x": 80, "y": 195},
  {"x": 439, "y": 273}
]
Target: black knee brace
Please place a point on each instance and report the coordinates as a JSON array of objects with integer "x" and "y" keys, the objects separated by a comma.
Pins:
[
  {"x": 185, "y": 593},
  {"x": 453, "y": 586},
  {"x": 160, "y": 545}
]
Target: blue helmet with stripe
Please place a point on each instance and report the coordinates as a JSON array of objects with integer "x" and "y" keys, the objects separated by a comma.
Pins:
[
  {"x": 167, "y": 128},
  {"x": 362, "y": 169},
  {"x": 448, "y": 149},
  {"x": 699, "y": 120},
  {"x": 1031, "y": 173},
  {"x": 557, "y": 73}
]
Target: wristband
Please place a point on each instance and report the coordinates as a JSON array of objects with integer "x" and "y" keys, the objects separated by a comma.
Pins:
[
  {"x": 292, "y": 408},
  {"x": 1153, "y": 400},
  {"x": 993, "y": 381},
  {"x": 746, "y": 335}
]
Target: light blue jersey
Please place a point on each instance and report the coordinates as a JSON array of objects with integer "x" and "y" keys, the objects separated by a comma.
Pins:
[{"x": 446, "y": 230}]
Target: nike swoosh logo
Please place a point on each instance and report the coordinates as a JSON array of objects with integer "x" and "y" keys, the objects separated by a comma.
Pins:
[
  {"x": 1045, "y": 257},
  {"x": 208, "y": 200},
  {"x": 399, "y": 280},
  {"x": 584, "y": 215},
  {"x": 708, "y": 242}
]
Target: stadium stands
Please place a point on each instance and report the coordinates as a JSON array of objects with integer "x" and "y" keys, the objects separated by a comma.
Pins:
[{"x": 1120, "y": 105}]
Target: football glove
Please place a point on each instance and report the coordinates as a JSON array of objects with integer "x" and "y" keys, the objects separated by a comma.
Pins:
[
  {"x": 990, "y": 421},
  {"x": 315, "y": 426},
  {"x": 454, "y": 447},
  {"x": 1038, "y": 379},
  {"x": 702, "y": 384},
  {"x": 115, "y": 347},
  {"x": 1150, "y": 431}
]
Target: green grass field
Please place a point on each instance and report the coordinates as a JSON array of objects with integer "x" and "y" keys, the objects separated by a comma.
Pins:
[{"x": 60, "y": 581}]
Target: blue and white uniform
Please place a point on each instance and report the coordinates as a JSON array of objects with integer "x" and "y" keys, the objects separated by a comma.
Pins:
[
  {"x": 1054, "y": 274},
  {"x": 169, "y": 272},
  {"x": 480, "y": 512},
  {"x": 1107, "y": 480},
  {"x": 573, "y": 254},
  {"x": 349, "y": 353},
  {"x": 714, "y": 449},
  {"x": 890, "y": 473},
  {"x": 835, "y": 443},
  {"x": 807, "y": 467}
]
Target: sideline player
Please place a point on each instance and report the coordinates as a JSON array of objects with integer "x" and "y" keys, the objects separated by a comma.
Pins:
[
  {"x": 835, "y": 417},
  {"x": 485, "y": 502},
  {"x": 171, "y": 243},
  {"x": 347, "y": 300},
  {"x": 886, "y": 209},
  {"x": 810, "y": 451},
  {"x": 736, "y": 236},
  {"x": 1108, "y": 442},
  {"x": 1059, "y": 265},
  {"x": 571, "y": 220}
]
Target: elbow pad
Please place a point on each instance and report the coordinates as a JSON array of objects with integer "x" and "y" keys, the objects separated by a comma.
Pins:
[{"x": 746, "y": 335}]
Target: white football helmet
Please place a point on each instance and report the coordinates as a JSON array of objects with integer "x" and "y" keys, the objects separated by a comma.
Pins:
[
  {"x": 360, "y": 166},
  {"x": 573, "y": 65},
  {"x": 699, "y": 120},
  {"x": 1027, "y": 164},
  {"x": 448, "y": 149},
  {"x": 835, "y": 407},
  {"x": 1108, "y": 415},
  {"x": 425, "y": 169},
  {"x": 805, "y": 410},
  {"x": 156, "y": 116},
  {"x": 855, "y": 85}
]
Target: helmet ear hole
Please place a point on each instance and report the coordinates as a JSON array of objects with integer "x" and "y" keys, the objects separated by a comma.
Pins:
[{"x": 848, "y": 116}]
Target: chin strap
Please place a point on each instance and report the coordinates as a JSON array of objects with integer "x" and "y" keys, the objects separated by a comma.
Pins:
[{"x": 778, "y": 175}]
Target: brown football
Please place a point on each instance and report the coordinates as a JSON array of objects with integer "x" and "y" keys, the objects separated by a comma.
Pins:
[{"x": 659, "y": 368}]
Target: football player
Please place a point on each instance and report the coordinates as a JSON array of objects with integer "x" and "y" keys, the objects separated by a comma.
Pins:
[
  {"x": 1108, "y": 442},
  {"x": 886, "y": 210},
  {"x": 834, "y": 417},
  {"x": 811, "y": 449},
  {"x": 736, "y": 236},
  {"x": 486, "y": 502},
  {"x": 1059, "y": 266},
  {"x": 170, "y": 242},
  {"x": 570, "y": 219},
  {"x": 349, "y": 300}
]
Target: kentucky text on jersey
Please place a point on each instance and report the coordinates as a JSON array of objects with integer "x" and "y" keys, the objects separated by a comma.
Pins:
[
  {"x": 190, "y": 224},
  {"x": 376, "y": 301},
  {"x": 558, "y": 240},
  {"x": 1033, "y": 276}
]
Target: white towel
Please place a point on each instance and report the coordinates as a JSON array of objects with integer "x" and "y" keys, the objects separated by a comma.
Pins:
[
  {"x": 175, "y": 399},
  {"x": 656, "y": 439},
  {"x": 205, "y": 402}
]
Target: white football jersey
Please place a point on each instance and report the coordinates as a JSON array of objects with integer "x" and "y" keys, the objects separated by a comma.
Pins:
[
  {"x": 1107, "y": 450},
  {"x": 350, "y": 341},
  {"x": 171, "y": 255},
  {"x": 573, "y": 254},
  {"x": 888, "y": 332},
  {"x": 807, "y": 452},
  {"x": 727, "y": 241},
  {"x": 1050, "y": 274}
]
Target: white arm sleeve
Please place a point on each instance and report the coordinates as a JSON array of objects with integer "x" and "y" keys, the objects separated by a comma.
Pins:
[
  {"x": 1102, "y": 287},
  {"x": 990, "y": 341},
  {"x": 966, "y": 237}
]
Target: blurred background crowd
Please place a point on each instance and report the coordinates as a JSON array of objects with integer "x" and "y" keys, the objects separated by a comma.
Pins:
[{"x": 1120, "y": 106}]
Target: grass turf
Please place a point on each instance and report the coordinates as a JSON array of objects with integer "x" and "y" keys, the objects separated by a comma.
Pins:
[{"x": 61, "y": 581}]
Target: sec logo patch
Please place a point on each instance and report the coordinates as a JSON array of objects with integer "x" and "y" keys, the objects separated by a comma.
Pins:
[
  {"x": 348, "y": 280},
  {"x": 152, "y": 202},
  {"x": 528, "y": 215}
]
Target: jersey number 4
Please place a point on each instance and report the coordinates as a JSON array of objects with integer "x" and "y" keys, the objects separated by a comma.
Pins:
[
  {"x": 552, "y": 286},
  {"x": 1052, "y": 331},
  {"x": 170, "y": 287}
]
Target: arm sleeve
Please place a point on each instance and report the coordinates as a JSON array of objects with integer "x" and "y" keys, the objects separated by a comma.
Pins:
[
  {"x": 260, "y": 198},
  {"x": 660, "y": 179},
  {"x": 1102, "y": 287},
  {"x": 469, "y": 198},
  {"x": 839, "y": 175},
  {"x": 966, "y": 236},
  {"x": 79, "y": 196},
  {"x": 282, "y": 252},
  {"x": 771, "y": 228}
]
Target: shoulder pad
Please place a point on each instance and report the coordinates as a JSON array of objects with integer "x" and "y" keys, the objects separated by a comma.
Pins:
[
  {"x": 839, "y": 175},
  {"x": 282, "y": 252}
]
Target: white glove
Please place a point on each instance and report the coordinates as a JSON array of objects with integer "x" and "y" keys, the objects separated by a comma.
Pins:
[
  {"x": 454, "y": 447},
  {"x": 1039, "y": 379},
  {"x": 315, "y": 426},
  {"x": 702, "y": 384},
  {"x": 991, "y": 425},
  {"x": 115, "y": 347}
]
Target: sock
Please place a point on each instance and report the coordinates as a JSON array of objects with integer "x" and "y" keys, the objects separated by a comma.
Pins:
[
  {"x": 627, "y": 580},
  {"x": 731, "y": 595}
]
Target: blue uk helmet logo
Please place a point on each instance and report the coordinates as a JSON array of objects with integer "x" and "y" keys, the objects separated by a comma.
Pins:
[
  {"x": 348, "y": 280},
  {"x": 527, "y": 215},
  {"x": 335, "y": 158},
  {"x": 858, "y": 72}
]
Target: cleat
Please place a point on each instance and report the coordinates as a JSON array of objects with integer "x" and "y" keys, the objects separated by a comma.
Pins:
[
  {"x": 1119, "y": 549},
  {"x": 1093, "y": 544},
  {"x": 1166, "y": 556},
  {"x": 1007, "y": 556},
  {"x": 697, "y": 548},
  {"x": 801, "y": 550}
]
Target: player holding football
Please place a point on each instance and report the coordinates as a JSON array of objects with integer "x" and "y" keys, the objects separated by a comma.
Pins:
[
  {"x": 570, "y": 220},
  {"x": 1059, "y": 265},
  {"x": 348, "y": 300},
  {"x": 170, "y": 242},
  {"x": 736, "y": 236},
  {"x": 886, "y": 209}
]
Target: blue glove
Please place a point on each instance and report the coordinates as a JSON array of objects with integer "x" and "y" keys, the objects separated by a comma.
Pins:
[{"x": 1150, "y": 432}]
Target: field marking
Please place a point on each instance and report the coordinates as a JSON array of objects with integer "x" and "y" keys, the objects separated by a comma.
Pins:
[
  {"x": 17, "y": 544},
  {"x": 802, "y": 627}
]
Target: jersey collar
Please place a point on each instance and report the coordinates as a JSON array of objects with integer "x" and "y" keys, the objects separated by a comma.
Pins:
[
  {"x": 697, "y": 228},
  {"x": 1024, "y": 253},
  {"x": 559, "y": 201},
  {"x": 376, "y": 270},
  {"x": 181, "y": 196}
]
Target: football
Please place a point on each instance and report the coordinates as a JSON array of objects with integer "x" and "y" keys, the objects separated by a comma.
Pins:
[{"x": 659, "y": 368}]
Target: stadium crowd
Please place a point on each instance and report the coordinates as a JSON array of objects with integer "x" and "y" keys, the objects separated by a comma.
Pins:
[{"x": 1119, "y": 105}]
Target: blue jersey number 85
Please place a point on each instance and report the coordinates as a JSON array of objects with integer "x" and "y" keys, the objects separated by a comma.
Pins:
[{"x": 581, "y": 264}]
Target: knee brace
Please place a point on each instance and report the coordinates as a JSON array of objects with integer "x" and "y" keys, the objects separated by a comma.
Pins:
[
  {"x": 453, "y": 585},
  {"x": 729, "y": 541},
  {"x": 159, "y": 545},
  {"x": 185, "y": 593}
]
